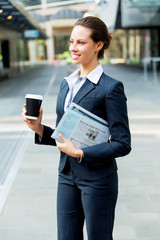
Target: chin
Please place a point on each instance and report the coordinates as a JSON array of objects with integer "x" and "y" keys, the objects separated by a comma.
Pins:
[{"x": 76, "y": 61}]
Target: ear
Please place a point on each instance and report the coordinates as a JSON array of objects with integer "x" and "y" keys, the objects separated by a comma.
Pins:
[{"x": 100, "y": 45}]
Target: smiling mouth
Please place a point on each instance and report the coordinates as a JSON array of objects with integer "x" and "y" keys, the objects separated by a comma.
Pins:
[{"x": 75, "y": 56}]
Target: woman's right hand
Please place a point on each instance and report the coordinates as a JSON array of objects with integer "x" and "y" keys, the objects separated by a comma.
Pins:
[{"x": 35, "y": 125}]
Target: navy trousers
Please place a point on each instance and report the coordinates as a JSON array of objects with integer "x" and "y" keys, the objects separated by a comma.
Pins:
[{"x": 92, "y": 201}]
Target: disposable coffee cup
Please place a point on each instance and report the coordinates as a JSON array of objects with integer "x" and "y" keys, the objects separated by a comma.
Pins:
[{"x": 33, "y": 104}]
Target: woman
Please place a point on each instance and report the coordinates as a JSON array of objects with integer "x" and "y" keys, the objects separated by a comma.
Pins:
[{"x": 88, "y": 183}]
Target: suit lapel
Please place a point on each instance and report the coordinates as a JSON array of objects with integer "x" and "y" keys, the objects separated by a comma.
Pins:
[
  {"x": 83, "y": 91},
  {"x": 87, "y": 87}
]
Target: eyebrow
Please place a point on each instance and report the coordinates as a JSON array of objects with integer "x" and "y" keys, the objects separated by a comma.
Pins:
[{"x": 78, "y": 39}]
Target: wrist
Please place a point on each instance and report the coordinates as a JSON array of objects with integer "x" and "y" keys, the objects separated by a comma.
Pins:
[
  {"x": 79, "y": 153},
  {"x": 79, "y": 159},
  {"x": 40, "y": 130}
]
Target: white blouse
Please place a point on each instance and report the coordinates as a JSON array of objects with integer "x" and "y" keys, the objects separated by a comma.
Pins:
[{"x": 93, "y": 76}]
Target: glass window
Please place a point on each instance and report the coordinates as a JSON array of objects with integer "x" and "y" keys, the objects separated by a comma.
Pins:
[
  {"x": 140, "y": 13},
  {"x": 61, "y": 43}
]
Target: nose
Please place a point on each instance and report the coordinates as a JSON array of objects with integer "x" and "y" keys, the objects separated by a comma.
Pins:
[{"x": 73, "y": 47}]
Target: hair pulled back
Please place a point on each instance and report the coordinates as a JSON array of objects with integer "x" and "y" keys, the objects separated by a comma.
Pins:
[{"x": 99, "y": 31}]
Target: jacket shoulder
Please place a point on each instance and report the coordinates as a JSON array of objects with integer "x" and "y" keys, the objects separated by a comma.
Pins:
[
  {"x": 109, "y": 82},
  {"x": 108, "y": 79}
]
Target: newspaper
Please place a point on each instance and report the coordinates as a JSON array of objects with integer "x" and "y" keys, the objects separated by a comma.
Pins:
[{"x": 81, "y": 127}]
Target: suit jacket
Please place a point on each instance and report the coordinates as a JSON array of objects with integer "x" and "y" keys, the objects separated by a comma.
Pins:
[{"x": 108, "y": 101}]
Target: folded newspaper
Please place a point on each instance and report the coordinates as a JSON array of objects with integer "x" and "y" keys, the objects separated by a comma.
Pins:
[{"x": 81, "y": 127}]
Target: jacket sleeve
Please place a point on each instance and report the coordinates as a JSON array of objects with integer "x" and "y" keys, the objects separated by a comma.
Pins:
[
  {"x": 120, "y": 140},
  {"x": 47, "y": 132},
  {"x": 46, "y": 138}
]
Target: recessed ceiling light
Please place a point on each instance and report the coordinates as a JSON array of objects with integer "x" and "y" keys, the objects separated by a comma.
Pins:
[{"x": 9, "y": 17}]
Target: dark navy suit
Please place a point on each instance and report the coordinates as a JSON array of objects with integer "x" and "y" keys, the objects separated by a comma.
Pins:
[{"x": 91, "y": 186}]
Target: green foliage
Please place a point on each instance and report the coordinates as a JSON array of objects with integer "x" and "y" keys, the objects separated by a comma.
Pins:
[{"x": 106, "y": 61}]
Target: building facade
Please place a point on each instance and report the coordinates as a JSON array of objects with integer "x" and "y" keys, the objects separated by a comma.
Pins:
[
  {"x": 57, "y": 19},
  {"x": 16, "y": 28},
  {"x": 134, "y": 26},
  {"x": 141, "y": 23}
]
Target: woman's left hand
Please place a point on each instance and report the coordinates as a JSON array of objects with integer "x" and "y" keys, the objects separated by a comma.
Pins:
[{"x": 67, "y": 147}]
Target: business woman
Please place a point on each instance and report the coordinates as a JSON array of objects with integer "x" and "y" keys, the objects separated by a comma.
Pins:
[{"x": 88, "y": 182}]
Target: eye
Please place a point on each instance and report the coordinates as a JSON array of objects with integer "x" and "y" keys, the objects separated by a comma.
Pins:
[{"x": 81, "y": 42}]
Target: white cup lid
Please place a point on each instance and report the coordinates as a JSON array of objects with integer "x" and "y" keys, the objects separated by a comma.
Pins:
[{"x": 34, "y": 96}]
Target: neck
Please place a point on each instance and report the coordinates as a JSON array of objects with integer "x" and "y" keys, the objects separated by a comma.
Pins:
[{"x": 86, "y": 69}]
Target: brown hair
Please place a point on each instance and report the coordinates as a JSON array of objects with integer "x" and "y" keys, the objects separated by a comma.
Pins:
[{"x": 99, "y": 31}]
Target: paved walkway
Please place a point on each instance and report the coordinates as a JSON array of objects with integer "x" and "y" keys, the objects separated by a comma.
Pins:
[{"x": 28, "y": 184}]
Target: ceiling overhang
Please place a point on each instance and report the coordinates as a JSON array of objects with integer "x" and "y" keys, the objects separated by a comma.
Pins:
[{"x": 14, "y": 16}]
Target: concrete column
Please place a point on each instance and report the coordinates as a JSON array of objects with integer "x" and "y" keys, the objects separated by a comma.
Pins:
[
  {"x": 124, "y": 45},
  {"x": 147, "y": 43},
  {"x": 50, "y": 42},
  {"x": 32, "y": 52},
  {"x": 138, "y": 45},
  {"x": 44, "y": 3}
]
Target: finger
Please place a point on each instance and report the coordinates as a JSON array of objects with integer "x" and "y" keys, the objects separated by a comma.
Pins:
[
  {"x": 24, "y": 110},
  {"x": 40, "y": 112},
  {"x": 25, "y": 118},
  {"x": 23, "y": 115},
  {"x": 61, "y": 137},
  {"x": 58, "y": 143},
  {"x": 24, "y": 106}
]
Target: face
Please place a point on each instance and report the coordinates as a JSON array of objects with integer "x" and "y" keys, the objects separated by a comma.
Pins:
[{"x": 83, "y": 49}]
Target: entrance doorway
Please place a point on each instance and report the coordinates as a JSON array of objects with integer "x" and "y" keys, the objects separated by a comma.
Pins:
[{"x": 5, "y": 53}]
